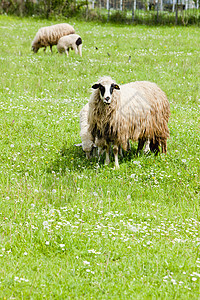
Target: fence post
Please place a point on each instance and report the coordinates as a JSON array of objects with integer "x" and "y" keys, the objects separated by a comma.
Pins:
[
  {"x": 161, "y": 5},
  {"x": 157, "y": 11},
  {"x": 108, "y": 9},
  {"x": 133, "y": 10},
  {"x": 176, "y": 21},
  {"x": 121, "y": 5},
  {"x": 186, "y": 5},
  {"x": 173, "y": 6}
]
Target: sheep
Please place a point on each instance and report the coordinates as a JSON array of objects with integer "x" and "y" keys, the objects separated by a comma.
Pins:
[
  {"x": 138, "y": 111},
  {"x": 50, "y": 35},
  {"x": 72, "y": 41},
  {"x": 89, "y": 144},
  {"x": 86, "y": 136}
]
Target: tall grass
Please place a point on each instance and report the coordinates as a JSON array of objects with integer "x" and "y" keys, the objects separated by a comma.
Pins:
[{"x": 72, "y": 228}]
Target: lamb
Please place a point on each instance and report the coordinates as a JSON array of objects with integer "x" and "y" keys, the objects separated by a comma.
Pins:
[
  {"x": 86, "y": 136},
  {"x": 89, "y": 144},
  {"x": 50, "y": 35},
  {"x": 138, "y": 111},
  {"x": 72, "y": 41}
]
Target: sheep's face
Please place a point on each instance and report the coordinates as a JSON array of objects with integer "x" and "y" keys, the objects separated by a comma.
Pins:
[
  {"x": 35, "y": 49},
  {"x": 106, "y": 91}
]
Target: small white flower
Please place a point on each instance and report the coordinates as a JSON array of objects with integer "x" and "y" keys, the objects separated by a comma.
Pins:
[
  {"x": 183, "y": 160},
  {"x": 45, "y": 223},
  {"x": 62, "y": 245},
  {"x": 194, "y": 278},
  {"x": 47, "y": 243},
  {"x": 128, "y": 197},
  {"x": 86, "y": 262},
  {"x": 12, "y": 145},
  {"x": 53, "y": 191},
  {"x": 197, "y": 274},
  {"x": 25, "y": 253},
  {"x": 87, "y": 270}
]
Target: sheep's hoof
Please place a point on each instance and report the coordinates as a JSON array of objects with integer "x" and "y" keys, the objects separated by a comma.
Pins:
[
  {"x": 116, "y": 167},
  {"x": 146, "y": 151}
]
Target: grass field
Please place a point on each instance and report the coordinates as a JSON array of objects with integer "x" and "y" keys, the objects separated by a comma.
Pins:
[{"x": 76, "y": 229}]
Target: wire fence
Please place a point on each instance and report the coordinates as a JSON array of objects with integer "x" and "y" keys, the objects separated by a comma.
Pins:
[
  {"x": 151, "y": 12},
  {"x": 148, "y": 11}
]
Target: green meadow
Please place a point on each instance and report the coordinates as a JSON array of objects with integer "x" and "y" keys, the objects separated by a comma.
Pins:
[{"x": 72, "y": 228}]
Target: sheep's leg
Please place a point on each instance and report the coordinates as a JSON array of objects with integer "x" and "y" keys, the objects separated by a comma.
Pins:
[
  {"x": 140, "y": 145},
  {"x": 75, "y": 49},
  {"x": 67, "y": 51},
  {"x": 147, "y": 147},
  {"x": 51, "y": 49},
  {"x": 128, "y": 145},
  {"x": 120, "y": 151},
  {"x": 164, "y": 146},
  {"x": 107, "y": 161},
  {"x": 115, "y": 151},
  {"x": 80, "y": 49},
  {"x": 101, "y": 151},
  {"x": 45, "y": 49},
  {"x": 88, "y": 155},
  {"x": 154, "y": 146}
]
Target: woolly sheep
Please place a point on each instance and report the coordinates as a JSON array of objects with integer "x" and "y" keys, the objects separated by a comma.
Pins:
[
  {"x": 86, "y": 136},
  {"x": 88, "y": 142},
  {"x": 72, "y": 41},
  {"x": 138, "y": 111},
  {"x": 50, "y": 35}
]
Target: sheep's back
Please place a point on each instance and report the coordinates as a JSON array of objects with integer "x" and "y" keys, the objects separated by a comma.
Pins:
[
  {"x": 51, "y": 34},
  {"x": 150, "y": 106}
]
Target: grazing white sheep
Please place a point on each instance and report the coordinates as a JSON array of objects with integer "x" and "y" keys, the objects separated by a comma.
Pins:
[
  {"x": 72, "y": 41},
  {"x": 50, "y": 35},
  {"x": 138, "y": 111},
  {"x": 89, "y": 143},
  {"x": 86, "y": 136}
]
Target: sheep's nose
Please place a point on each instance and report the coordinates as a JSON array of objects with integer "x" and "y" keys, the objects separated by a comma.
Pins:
[{"x": 107, "y": 98}]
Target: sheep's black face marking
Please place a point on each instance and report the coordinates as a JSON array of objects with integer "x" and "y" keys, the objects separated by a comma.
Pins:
[
  {"x": 102, "y": 89},
  {"x": 78, "y": 41},
  {"x": 34, "y": 49},
  {"x": 106, "y": 91}
]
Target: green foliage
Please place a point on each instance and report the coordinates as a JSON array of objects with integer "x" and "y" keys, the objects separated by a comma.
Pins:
[
  {"x": 73, "y": 228},
  {"x": 82, "y": 10}
]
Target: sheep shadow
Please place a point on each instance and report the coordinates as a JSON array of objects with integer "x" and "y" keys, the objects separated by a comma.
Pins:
[
  {"x": 70, "y": 158},
  {"x": 74, "y": 158}
]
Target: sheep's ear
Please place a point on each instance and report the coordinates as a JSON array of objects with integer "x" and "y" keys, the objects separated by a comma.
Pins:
[
  {"x": 116, "y": 86},
  {"x": 96, "y": 86}
]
